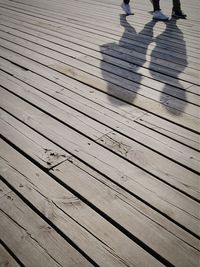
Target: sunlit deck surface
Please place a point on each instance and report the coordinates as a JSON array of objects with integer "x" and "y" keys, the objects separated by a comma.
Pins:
[{"x": 99, "y": 127}]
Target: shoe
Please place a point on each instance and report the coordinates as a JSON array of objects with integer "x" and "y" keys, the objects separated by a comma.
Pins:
[
  {"x": 126, "y": 8},
  {"x": 178, "y": 14},
  {"x": 158, "y": 15}
]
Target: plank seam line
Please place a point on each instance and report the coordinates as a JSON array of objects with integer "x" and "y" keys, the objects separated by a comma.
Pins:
[
  {"x": 31, "y": 236},
  {"x": 118, "y": 226},
  {"x": 48, "y": 18},
  {"x": 93, "y": 140},
  {"x": 135, "y": 119},
  {"x": 107, "y": 247},
  {"x": 125, "y": 101},
  {"x": 104, "y": 52},
  {"x": 24, "y": 21},
  {"x": 83, "y": 198},
  {"x": 109, "y": 71},
  {"x": 154, "y": 129},
  {"x": 40, "y": 18},
  {"x": 134, "y": 195},
  {"x": 49, "y": 222},
  {"x": 11, "y": 253}
]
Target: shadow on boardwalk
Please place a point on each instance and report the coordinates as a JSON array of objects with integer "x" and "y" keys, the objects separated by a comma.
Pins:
[{"x": 135, "y": 43}]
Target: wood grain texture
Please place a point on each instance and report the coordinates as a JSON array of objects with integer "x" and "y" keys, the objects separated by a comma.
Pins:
[
  {"x": 128, "y": 93},
  {"x": 93, "y": 234},
  {"x": 110, "y": 164},
  {"x": 99, "y": 128},
  {"x": 32, "y": 228},
  {"x": 6, "y": 260}
]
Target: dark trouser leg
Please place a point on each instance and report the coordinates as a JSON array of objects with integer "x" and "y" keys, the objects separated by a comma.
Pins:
[
  {"x": 126, "y": 2},
  {"x": 156, "y": 5},
  {"x": 176, "y": 5}
]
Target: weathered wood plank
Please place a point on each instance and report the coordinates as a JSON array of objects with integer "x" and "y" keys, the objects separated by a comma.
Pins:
[
  {"x": 22, "y": 219},
  {"x": 4, "y": 190},
  {"x": 132, "y": 76},
  {"x": 111, "y": 30},
  {"x": 130, "y": 53},
  {"x": 168, "y": 129},
  {"x": 101, "y": 72},
  {"x": 180, "y": 153},
  {"x": 110, "y": 164},
  {"x": 33, "y": 144},
  {"x": 6, "y": 260},
  {"x": 139, "y": 155},
  {"x": 24, "y": 245},
  {"x": 96, "y": 105},
  {"x": 114, "y": 202},
  {"x": 83, "y": 9},
  {"x": 112, "y": 89},
  {"x": 124, "y": 152},
  {"x": 92, "y": 50},
  {"x": 88, "y": 230},
  {"x": 61, "y": 112},
  {"x": 64, "y": 35},
  {"x": 103, "y": 201}
]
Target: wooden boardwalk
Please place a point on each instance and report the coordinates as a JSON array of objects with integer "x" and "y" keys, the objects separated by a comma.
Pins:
[{"x": 99, "y": 135}]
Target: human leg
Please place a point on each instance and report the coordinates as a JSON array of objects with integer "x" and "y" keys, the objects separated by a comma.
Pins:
[
  {"x": 176, "y": 10},
  {"x": 158, "y": 14},
  {"x": 156, "y": 5},
  {"x": 126, "y": 7}
]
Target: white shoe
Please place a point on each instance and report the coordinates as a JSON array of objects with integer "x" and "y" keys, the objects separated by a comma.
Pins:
[
  {"x": 158, "y": 15},
  {"x": 126, "y": 8}
]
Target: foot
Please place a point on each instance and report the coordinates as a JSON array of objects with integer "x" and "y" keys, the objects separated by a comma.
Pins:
[
  {"x": 127, "y": 9},
  {"x": 158, "y": 15},
  {"x": 179, "y": 14}
]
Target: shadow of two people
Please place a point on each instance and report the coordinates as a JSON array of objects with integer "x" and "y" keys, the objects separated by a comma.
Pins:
[{"x": 131, "y": 41}]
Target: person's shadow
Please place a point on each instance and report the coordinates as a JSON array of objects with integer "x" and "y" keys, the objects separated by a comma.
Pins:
[
  {"x": 132, "y": 49},
  {"x": 121, "y": 87},
  {"x": 173, "y": 102}
]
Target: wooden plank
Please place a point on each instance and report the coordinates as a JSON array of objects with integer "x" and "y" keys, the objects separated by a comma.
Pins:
[
  {"x": 109, "y": 29},
  {"x": 88, "y": 230},
  {"x": 109, "y": 35},
  {"x": 26, "y": 248},
  {"x": 93, "y": 10},
  {"x": 112, "y": 200},
  {"x": 96, "y": 105},
  {"x": 63, "y": 113},
  {"x": 90, "y": 49},
  {"x": 134, "y": 76},
  {"x": 163, "y": 168},
  {"x": 33, "y": 144},
  {"x": 6, "y": 260},
  {"x": 112, "y": 89},
  {"x": 24, "y": 229},
  {"x": 57, "y": 31},
  {"x": 98, "y": 158},
  {"x": 172, "y": 220},
  {"x": 79, "y": 184},
  {"x": 168, "y": 129},
  {"x": 4, "y": 190},
  {"x": 115, "y": 78},
  {"x": 180, "y": 153},
  {"x": 148, "y": 58},
  {"x": 139, "y": 155}
]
